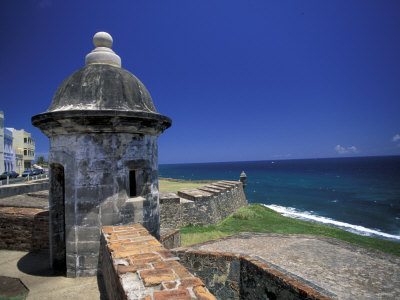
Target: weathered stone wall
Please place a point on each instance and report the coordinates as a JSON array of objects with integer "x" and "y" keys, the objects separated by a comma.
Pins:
[
  {"x": 170, "y": 238},
  {"x": 96, "y": 170},
  {"x": 220, "y": 273},
  {"x": 27, "y": 228},
  {"x": 24, "y": 229},
  {"x": 23, "y": 188},
  {"x": 235, "y": 276},
  {"x": 206, "y": 205},
  {"x": 261, "y": 281},
  {"x": 136, "y": 266}
]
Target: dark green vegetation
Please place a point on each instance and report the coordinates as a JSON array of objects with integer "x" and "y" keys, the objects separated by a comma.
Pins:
[{"x": 258, "y": 218}]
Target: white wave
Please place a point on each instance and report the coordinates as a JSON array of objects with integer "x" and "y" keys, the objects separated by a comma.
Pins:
[{"x": 304, "y": 215}]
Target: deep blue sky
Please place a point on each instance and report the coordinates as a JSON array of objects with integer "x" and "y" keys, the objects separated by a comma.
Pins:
[{"x": 241, "y": 80}]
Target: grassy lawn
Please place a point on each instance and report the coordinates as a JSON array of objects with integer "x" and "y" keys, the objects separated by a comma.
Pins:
[
  {"x": 258, "y": 218},
  {"x": 166, "y": 185}
]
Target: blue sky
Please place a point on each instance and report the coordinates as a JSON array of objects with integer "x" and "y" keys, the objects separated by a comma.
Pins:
[{"x": 241, "y": 80}]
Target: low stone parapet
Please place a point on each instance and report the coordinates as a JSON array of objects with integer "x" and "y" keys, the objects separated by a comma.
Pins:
[
  {"x": 206, "y": 205},
  {"x": 23, "y": 188},
  {"x": 194, "y": 195},
  {"x": 170, "y": 238},
  {"x": 235, "y": 276},
  {"x": 136, "y": 266},
  {"x": 23, "y": 228}
]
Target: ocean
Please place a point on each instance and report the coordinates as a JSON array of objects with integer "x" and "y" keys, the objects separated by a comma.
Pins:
[{"x": 358, "y": 194}]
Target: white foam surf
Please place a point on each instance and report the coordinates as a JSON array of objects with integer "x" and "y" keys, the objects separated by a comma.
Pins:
[{"x": 309, "y": 216}]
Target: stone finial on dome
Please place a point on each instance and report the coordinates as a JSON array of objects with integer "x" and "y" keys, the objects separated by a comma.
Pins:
[
  {"x": 102, "y": 39},
  {"x": 103, "y": 54}
]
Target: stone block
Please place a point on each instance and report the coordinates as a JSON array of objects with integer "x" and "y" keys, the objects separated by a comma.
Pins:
[
  {"x": 182, "y": 272},
  {"x": 89, "y": 219},
  {"x": 194, "y": 195},
  {"x": 88, "y": 247},
  {"x": 135, "y": 204},
  {"x": 71, "y": 272},
  {"x": 106, "y": 191},
  {"x": 110, "y": 219},
  {"x": 181, "y": 294},
  {"x": 169, "y": 285},
  {"x": 100, "y": 165},
  {"x": 107, "y": 179},
  {"x": 69, "y": 209},
  {"x": 169, "y": 198},
  {"x": 166, "y": 264},
  {"x": 88, "y": 262},
  {"x": 88, "y": 233},
  {"x": 191, "y": 282},
  {"x": 71, "y": 247},
  {"x": 86, "y": 272},
  {"x": 108, "y": 207},
  {"x": 234, "y": 272},
  {"x": 155, "y": 277},
  {"x": 71, "y": 260},
  {"x": 211, "y": 190},
  {"x": 203, "y": 294},
  {"x": 85, "y": 194},
  {"x": 87, "y": 207},
  {"x": 221, "y": 185},
  {"x": 137, "y": 164},
  {"x": 165, "y": 253},
  {"x": 70, "y": 233}
]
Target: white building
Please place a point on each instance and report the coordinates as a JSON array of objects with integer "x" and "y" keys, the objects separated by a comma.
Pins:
[
  {"x": 24, "y": 147},
  {"x": 9, "y": 152}
]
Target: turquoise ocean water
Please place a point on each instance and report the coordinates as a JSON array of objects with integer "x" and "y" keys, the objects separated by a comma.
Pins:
[{"x": 361, "y": 194}]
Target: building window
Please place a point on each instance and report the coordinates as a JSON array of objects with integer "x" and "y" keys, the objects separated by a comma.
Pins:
[
  {"x": 132, "y": 183},
  {"x": 25, "y": 152}
]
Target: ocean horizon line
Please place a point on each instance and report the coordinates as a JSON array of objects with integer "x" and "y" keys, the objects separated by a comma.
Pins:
[{"x": 279, "y": 159}]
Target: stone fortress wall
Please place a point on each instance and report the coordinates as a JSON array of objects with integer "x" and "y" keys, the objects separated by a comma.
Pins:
[
  {"x": 24, "y": 228},
  {"x": 206, "y": 205},
  {"x": 238, "y": 276},
  {"x": 24, "y": 219}
]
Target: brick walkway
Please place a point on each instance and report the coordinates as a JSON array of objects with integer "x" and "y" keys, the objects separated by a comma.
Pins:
[{"x": 345, "y": 270}]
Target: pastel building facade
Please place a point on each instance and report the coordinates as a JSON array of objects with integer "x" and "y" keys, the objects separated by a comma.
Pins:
[
  {"x": 9, "y": 152},
  {"x": 24, "y": 146}
]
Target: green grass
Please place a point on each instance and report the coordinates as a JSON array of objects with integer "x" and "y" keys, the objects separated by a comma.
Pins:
[
  {"x": 258, "y": 218},
  {"x": 168, "y": 185}
]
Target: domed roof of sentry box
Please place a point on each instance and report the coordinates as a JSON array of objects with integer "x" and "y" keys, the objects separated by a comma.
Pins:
[
  {"x": 102, "y": 84},
  {"x": 102, "y": 89}
]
